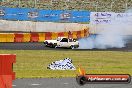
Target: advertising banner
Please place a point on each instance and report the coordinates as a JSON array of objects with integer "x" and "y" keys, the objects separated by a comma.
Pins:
[
  {"x": 101, "y": 17},
  {"x": 32, "y": 14}
]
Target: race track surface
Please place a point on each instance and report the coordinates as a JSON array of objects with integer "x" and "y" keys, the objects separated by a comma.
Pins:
[
  {"x": 61, "y": 83},
  {"x": 41, "y": 46}
]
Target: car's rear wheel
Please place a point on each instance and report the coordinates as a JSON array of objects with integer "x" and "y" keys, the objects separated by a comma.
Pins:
[
  {"x": 46, "y": 43},
  {"x": 53, "y": 45}
]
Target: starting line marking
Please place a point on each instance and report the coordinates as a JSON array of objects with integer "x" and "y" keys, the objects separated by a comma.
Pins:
[
  {"x": 13, "y": 85},
  {"x": 35, "y": 84},
  {"x": 66, "y": 83}
]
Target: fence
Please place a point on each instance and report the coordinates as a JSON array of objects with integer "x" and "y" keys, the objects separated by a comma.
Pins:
[{"x": 31, "y": 14}]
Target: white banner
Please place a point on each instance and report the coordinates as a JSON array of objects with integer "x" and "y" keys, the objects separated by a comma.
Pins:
[
  {"x": 101, "y": 21},
  {"x": 123, "y": 18},
  {"x": 101, "y": 17},
  {"x": 110, "y": 17}
]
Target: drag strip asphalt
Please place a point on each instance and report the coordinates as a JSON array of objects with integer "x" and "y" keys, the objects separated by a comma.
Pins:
[
  {"x": 41, "y": 46},
  {"x": 61, "y": 83},
  {"x": 58, "y": 82}
]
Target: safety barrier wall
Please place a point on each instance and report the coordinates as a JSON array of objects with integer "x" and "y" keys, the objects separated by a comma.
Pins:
[
  {"x": 31, "y": 14},
  {"x": 6, "y": 71},
  {"x": 40, "y": 37},
  {"x": 18, "y": 37},
  {"x": 29, "y": 26},
  {"x": 7, "y": 37}
]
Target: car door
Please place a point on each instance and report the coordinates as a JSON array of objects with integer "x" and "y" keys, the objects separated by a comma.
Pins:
[{"x": 64, "y": 42}]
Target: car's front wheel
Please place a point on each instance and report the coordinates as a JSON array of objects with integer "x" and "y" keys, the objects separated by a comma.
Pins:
[
  {"x": 55, "y": 45},
  {"x": 72, "y": 47}
]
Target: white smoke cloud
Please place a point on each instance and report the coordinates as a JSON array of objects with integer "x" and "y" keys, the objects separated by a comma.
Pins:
[{"x": 111, "y": 36}]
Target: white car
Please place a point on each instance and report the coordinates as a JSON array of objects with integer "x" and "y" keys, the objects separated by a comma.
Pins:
[{"x": 62, "y": 42}]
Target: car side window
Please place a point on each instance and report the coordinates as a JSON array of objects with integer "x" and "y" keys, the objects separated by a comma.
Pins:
[{"x": 64, "y": 40}]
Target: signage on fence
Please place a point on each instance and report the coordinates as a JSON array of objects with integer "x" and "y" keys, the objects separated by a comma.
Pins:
[
  {"x": 30, "y": 14},
  {"x": 101, "y": 17},
  {"x": 2, "y": 13},
  {"x": 65, "y": 16},
  {"x": 110, "y": 17},
  {"x": 123, "y": 18}
]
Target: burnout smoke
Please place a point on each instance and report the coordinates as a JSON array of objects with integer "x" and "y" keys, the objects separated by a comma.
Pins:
[{"x": 111, "y": 35}]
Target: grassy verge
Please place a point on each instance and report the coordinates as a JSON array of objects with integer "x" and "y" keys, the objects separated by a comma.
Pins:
[{"x": 33, "y": 63}]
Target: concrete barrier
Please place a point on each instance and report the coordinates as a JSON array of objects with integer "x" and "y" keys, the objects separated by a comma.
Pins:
[
  {"x": 29, "y": 26},
  {"x": 6, "y": 72},
  {"x": 40, "y": 37}
]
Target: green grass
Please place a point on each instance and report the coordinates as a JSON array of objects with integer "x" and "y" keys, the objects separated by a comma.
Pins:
[{"x": 33, "y": 63}]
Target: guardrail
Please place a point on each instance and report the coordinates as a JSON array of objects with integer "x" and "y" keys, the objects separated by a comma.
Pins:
[{"x": 40, "y": 37}]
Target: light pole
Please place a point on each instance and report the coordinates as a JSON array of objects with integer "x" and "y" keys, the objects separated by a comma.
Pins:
[
  {"x": 19, "y": 3},
  {"x": 35, "y": 2},
  {"x": 112, "y": 2},
  {"x": 126, "y": 5},
  {"x": 97, "y": 6}
]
